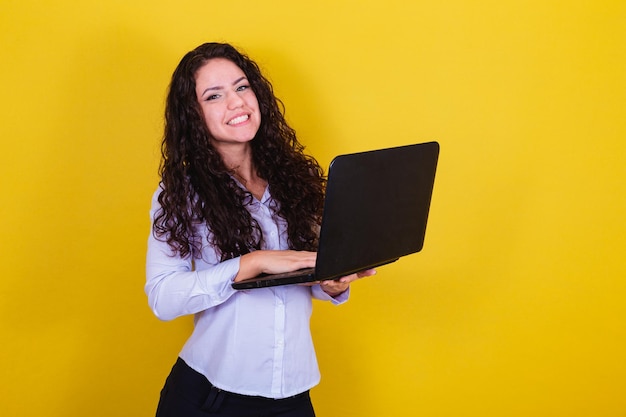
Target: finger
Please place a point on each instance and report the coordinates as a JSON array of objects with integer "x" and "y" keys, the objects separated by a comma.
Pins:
[
  {"x": 366, "y": 273},
  {"x": 333, "y": 285},
  {"x": 358, "y": 275},
  {"x": 348, "y": 279}
]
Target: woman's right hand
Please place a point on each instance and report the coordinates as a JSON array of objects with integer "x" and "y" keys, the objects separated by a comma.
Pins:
[{"x": 273, "y": 262}]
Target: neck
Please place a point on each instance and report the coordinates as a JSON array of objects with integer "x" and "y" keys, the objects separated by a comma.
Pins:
[
  {"x": 237, "y": 159},
  {"x": 249, "y": 178},
  {"x": 242, "y": 169},
  {"x": 244, "y": 175}
]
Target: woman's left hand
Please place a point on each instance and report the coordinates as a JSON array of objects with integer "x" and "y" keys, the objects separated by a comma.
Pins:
[{"x": 336, "y": 287}]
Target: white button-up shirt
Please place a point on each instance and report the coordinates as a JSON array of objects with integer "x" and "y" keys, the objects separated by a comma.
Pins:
[{"x": 254, "y": 342}]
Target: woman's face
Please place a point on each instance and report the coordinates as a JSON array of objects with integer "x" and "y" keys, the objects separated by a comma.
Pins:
[{"x": 230, "y": 107}]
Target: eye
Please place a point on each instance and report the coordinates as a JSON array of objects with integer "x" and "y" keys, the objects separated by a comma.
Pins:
[
  {"x": 212, "y": 97},
  {"x": 243, "y": 87}
]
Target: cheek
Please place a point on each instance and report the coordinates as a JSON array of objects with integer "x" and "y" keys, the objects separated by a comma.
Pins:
[
  {"x": 253, "y": 102},
  {"x": 211, "y": 120}
]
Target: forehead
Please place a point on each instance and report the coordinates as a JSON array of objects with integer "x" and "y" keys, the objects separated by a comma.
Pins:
[{"x": 218, "y": 71}]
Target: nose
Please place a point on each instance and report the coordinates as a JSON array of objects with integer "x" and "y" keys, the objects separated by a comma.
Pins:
[{"x": 234, "y": 101}]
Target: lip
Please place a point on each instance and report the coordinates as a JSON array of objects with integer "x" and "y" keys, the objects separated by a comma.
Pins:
[{"x": 233, "y": 121}]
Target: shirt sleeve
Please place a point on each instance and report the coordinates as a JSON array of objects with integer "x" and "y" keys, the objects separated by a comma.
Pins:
[
  {"x": 319, "y": 294},
  {"x": 173, "y": 286}
]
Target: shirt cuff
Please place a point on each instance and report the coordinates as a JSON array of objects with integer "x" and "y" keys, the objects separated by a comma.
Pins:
[{"x": 319, "y": 294}]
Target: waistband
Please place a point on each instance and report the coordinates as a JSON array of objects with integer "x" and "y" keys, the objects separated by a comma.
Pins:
[{"x": 186, "y": 378}]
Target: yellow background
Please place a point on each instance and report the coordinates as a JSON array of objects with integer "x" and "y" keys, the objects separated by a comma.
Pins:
[{"x": 515, "y": 307}]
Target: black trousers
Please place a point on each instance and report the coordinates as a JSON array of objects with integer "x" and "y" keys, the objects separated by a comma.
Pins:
[{"x": 188, "y": 393}]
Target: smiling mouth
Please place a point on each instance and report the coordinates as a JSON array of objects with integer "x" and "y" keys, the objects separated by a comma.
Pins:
[{"x": 238, "y": 119}]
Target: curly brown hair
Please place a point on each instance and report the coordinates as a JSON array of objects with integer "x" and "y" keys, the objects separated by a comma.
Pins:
[{"x": 197, "y": 188}]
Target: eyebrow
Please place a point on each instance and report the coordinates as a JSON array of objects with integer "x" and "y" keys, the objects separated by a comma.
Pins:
[{"x": 219, "y": 87}]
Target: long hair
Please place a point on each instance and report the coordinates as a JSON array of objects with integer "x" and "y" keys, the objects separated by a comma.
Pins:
[{"x": 198, "y": 190}]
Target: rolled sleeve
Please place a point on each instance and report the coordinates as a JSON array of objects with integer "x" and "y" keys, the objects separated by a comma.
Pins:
[{"x": 174, "y": 289}]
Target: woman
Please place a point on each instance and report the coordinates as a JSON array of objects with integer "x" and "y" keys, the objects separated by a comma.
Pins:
[{"x": 238, "y": 197}]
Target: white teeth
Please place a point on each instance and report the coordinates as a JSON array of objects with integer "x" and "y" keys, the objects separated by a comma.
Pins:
[{"x": 239, "y": 119}]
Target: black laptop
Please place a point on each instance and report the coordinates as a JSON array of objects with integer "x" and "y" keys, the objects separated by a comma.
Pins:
[{"x": 375, "y": 212}]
